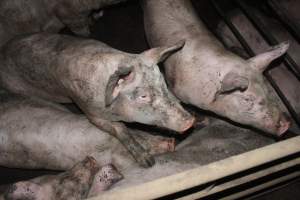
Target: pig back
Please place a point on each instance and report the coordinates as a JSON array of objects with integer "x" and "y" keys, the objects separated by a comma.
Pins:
[
  {"x": 168, "y": 21},
  {"x": 51, "y": 66},
  {"x": 199, "y": 61}
]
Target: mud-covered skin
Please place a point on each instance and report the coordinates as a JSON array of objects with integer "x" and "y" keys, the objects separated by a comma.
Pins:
[
  {"x": 52, "y": 137},
  {"x": 61, "y": 139},
  {"x": 108, "y": 85},
  {"x": 203, "y": 65},
  {"x": 72, "y": 184},
  {"x": 285, "y": 80},
  {"x": 19, "y": 17},
  {"x": 106, "y": 177}
]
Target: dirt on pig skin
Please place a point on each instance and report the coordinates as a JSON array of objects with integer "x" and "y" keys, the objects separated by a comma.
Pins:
[
  {"x": 104, "y": 179},
  {"x": 52, "y": 137},
  {"x": 73, "y": 184},
  {"x": 286, "y": 81},
  {"x": 109, "y": 86},
  {"x": 226, "y": 84},
  {"x": 212, "y": 143}
]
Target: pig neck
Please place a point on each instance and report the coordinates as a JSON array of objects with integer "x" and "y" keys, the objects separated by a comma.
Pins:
[{"x": 168, "y": 21}]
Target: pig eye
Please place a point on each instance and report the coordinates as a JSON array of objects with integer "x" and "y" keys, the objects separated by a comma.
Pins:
[
  {"x": 144, "y": 98},
  {"x": 142, "y": 95}
]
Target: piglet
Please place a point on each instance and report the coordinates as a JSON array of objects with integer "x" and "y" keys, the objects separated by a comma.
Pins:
[{"x": 203, "y": 73}]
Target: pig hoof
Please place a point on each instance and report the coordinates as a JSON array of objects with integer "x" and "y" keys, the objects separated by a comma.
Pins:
[{"x": 145, "y": 160}]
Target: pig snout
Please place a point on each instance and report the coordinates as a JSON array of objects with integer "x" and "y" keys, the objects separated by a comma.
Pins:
[
  {"x": 280, "y": 126},
  {"x": 189, "y": 123},
  {"x": 180, "y": 120},
  {"x": 283, "y": 124}
]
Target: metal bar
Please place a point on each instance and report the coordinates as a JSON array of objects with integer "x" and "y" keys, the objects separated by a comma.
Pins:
[
  {"x": 290, "y": 63},
  {"x": 232, "y": 27},
  {"x": 243, "y": 179},
  {"x": 248, "y": 49},
  {"x": 273, "y": 189},
  {"x": 277, "y": 9},
  {"x": 263, "y": 186},
  {"x": 205, "y": 174},
  {"x": 285, "y": 101}
]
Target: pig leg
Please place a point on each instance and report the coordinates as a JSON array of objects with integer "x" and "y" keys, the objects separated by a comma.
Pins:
[
  {"x": 72, "y": 184},
  {"x": 119, "y": 131},
  {"x": 154, "y": 143},
  {"x": 104, "y": 179},
  {"x": 76, "y": 182},
  {"x": 23, "y": 190}
]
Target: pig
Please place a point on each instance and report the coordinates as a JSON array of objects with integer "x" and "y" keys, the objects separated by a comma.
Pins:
[
  {"x": 108, "y": 85},
  {"x": 226, "y": 84},
  {"x": 52, "y": 137},
  {"x": 19, "y": 17},
  {"x": 72, "y": 184},
  {"x": 285, "y": 80}
]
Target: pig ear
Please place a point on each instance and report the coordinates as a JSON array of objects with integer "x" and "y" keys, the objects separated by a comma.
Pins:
[
  {"x": 23, "y": 190},
  {"x": 115, "y": 82},
  {"x": 159, "y": 54},
  {"x": 261, "y": 61},
  {"x": 232, "y": 82}
]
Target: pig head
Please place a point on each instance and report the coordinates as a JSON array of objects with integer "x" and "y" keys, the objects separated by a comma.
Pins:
[
  {"x": 206, "y": 75},
  {"x": 101, "y": 80},
  {"x": 244, "y": 95},
  {"x": 137, "y": 92}
]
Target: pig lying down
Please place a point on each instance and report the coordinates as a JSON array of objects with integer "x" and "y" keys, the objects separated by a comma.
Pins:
[
  {"x": 77, "y": 183},
  {"x": 19, "y": 17},
  {"x": 52, "y": 137},
  {"x": 108, "y": 85},
  {"x": 225, "y": 83}
]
